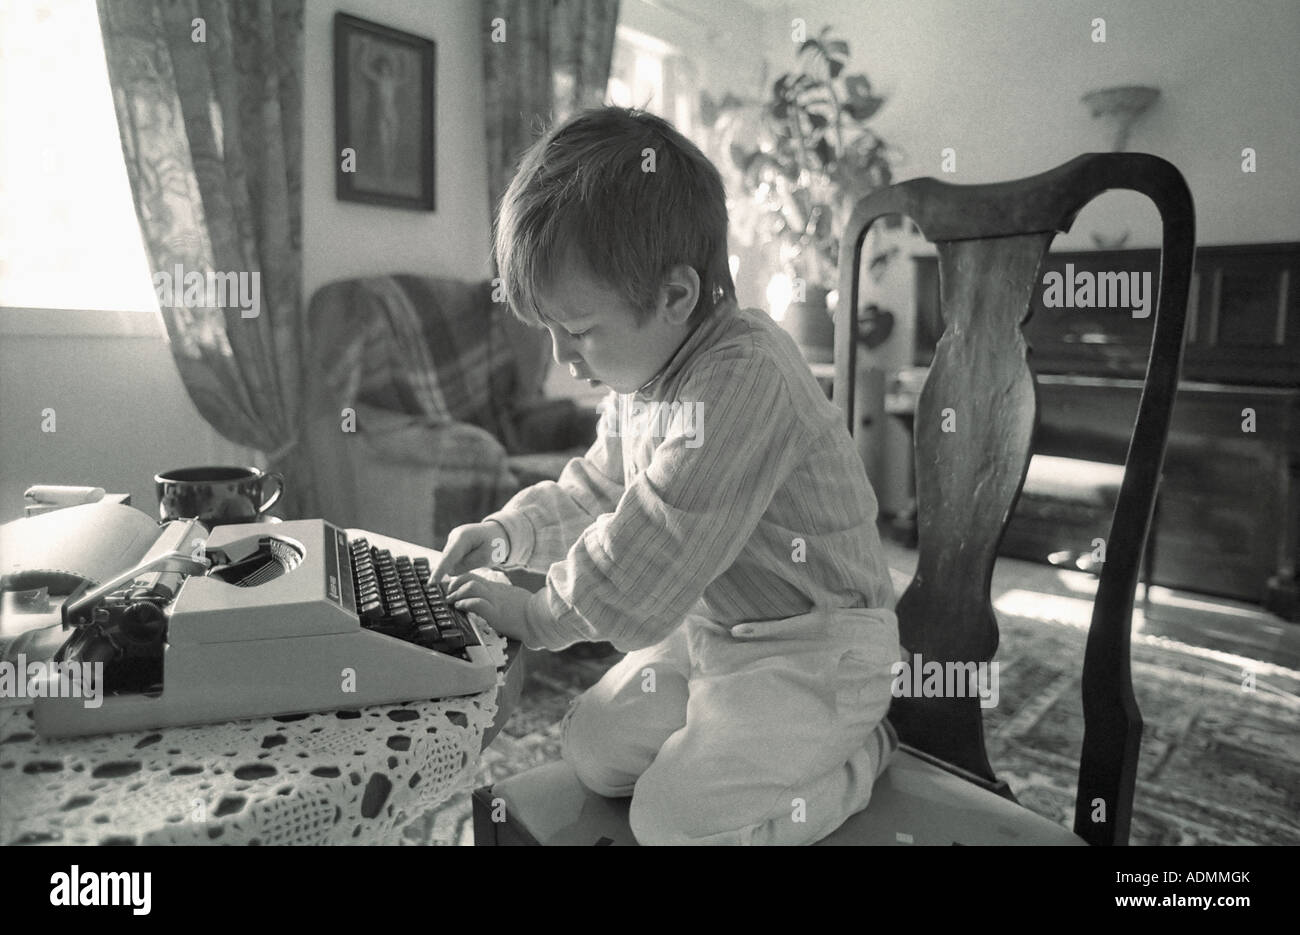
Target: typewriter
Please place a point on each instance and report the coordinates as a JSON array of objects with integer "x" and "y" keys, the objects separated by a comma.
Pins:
[{"x": 261, "y": 620}]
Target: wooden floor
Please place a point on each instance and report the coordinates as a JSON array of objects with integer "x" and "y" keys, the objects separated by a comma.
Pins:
[{"x": 1210, "y": 623}]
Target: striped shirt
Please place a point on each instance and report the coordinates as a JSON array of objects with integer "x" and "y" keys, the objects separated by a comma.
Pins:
[{"x": 728, "y": 487}]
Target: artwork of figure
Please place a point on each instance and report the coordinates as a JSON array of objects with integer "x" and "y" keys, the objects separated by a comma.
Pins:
[
  {"x": 384, "y": 107},
  {"x": 383, "y": 79},
  {"x": 388, "y": 156}
]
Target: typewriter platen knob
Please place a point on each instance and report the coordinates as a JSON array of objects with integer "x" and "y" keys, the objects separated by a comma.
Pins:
[
  {"x": 144, "y": 623},
  {"x": 95, "y": 646}
]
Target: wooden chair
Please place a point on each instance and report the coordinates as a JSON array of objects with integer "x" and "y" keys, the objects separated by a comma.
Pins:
[{"x": 974, "y": 427}]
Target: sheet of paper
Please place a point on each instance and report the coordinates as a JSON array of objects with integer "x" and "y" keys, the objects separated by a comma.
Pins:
[{"x": 94, "y": 541}]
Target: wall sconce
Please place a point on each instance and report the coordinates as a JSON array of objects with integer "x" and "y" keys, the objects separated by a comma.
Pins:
[{"x": 1120, "y": 108}]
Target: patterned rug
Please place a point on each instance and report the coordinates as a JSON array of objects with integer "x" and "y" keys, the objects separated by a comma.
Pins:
[{"x": 1220, "y": 761}]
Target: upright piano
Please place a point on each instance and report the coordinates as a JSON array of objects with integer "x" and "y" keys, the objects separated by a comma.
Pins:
[{"x": 1228, "y": 513}]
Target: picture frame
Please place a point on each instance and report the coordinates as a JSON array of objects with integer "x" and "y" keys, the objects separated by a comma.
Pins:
[{"x": 384, "y": 83}]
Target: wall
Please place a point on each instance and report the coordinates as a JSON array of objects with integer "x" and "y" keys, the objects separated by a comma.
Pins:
[
  {"x": 1001, "y": 84},
  {"x": 344, "y": 239},
  {"x": 122, "y": 413}
]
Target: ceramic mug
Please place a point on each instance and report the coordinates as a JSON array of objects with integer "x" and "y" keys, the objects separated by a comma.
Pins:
[{"x": 215, "y": 495}]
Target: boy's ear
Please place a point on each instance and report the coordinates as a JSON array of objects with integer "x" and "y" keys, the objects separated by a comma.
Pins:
[{"x": 679, "y": 293}]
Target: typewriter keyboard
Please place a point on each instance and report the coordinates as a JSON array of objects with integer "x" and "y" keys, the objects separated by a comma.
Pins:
[{"x": 393, "y": 598}]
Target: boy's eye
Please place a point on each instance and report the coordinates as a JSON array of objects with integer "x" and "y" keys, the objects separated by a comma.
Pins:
[{"x": 579, "y": 334}]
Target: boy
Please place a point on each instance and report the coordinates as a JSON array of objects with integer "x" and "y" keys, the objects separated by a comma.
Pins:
[{"x": 721, "y": 529}]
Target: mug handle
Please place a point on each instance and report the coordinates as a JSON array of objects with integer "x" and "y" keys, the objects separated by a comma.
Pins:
[{"x": 279, "y": 489}]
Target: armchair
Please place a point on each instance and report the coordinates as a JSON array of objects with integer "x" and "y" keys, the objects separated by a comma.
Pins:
[{"x": 426, "y": 405}]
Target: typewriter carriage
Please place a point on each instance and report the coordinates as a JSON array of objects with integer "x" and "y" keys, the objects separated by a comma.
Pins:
[{"x": 255, "y": 560}]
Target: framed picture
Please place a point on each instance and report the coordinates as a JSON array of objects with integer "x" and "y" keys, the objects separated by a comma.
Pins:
[{"x": 383, "y": 115}]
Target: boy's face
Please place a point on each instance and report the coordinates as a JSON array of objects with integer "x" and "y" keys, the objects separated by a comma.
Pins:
[{"x": 595, "y": 334}]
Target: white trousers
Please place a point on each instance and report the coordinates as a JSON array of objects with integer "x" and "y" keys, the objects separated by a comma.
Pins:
[{"x": 767, "y": 732}]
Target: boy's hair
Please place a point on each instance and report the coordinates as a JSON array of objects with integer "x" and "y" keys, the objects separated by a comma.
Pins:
[{"x": 587, "y": 186}]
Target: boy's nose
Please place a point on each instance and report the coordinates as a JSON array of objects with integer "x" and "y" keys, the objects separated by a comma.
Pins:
[{"x": 563, "y": 351}]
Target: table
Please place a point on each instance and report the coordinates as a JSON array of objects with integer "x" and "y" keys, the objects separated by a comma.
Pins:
[
  {"x": 346, "y": 777},
  {"x": 509, "y": 688},
  {"x": 341, "y": 777}
]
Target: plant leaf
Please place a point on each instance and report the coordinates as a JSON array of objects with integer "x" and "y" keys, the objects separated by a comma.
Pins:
[
  {"x": 803, "y": 201},
  {"x": 857, "y": 86},
  {"x": 863, "y": 108},
  {"x": 824, "y": 152},
  {"x": 823, "y": 228}
]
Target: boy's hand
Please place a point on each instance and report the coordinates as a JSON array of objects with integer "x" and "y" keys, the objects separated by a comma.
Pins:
[
  {"x": 503, "y": 606},
  {"x": 473, "y": 546}
]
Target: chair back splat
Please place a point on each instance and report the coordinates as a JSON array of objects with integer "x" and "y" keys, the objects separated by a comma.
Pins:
[{"x": 974, "y": 427}]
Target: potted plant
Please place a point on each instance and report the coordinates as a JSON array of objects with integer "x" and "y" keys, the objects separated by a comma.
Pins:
[{"x": 802, "y": 159}]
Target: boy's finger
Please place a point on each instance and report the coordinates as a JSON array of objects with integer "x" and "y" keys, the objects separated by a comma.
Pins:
[
  {"x": 464, "y": 586},
  {"x": 450, "y": 561},
  {"x": 454, "y": 590},
  {"x": 475, "y": 557},
  {"x": 477, "y": 605}
]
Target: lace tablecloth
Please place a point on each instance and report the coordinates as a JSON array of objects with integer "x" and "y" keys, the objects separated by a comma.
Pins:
[{"x": 345, "y": 777}]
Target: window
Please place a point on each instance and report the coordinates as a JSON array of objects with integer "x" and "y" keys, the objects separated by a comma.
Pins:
[
  {"x": 69, "y": 238},
  {"x": 649, "y": 74}
]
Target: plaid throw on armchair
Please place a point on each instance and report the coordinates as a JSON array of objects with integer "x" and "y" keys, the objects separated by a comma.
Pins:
[{"x": 446, "y": 388}]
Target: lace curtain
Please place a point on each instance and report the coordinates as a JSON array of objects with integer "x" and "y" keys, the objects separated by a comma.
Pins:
[{"x": 208, "y": 95}]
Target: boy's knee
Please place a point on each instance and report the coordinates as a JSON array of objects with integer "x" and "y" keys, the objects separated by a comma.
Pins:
[
  {"x": 610, "y": 738},
  {"x": 584, "y": 745}
]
